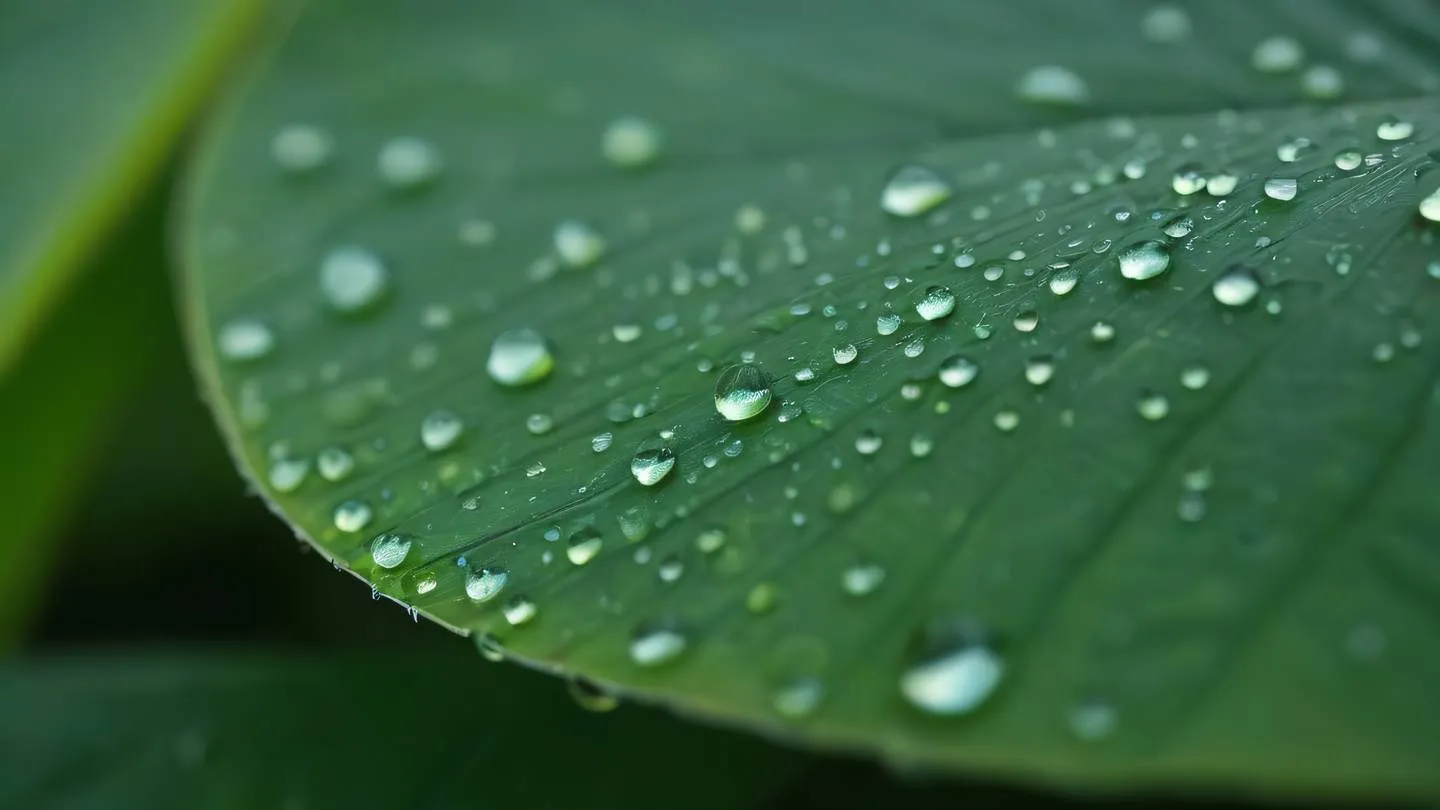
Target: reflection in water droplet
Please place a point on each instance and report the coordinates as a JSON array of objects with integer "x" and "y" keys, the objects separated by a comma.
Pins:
[
  {"x": 1282, "y": 188},
  {"x": 1178, "y": 227},
  {"x": 650, "y": 466},
  {"x": 1064, "y": 281},
  {"x": 844, "y": 355},
  {"x": 912, "y": 191},
  {"x": 353, "y": 279},
  {"x": 1144, "y": 260},
  {"x": 1430, "y": 206},
  {"x": 519, "y": 357},
  {"x": 887, "y": 324},
  {"x": 1222, "y": 183},
  {"x": 954, "y": 683},
  {"x": 389, "y": 549},
  {"x": 742, "y": 392},
  {"x": 868, "y": 443}
]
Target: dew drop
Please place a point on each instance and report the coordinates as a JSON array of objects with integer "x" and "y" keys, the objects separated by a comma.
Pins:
[
  {"x": 1102, "y": 332},
  {"x": 1152, "y": 405},
  {"x": 286, "y": 475},
  {"x": 955, "y": 682},
  {"x": 483, "y": 585},
  {"x": 1322, "y": 82},
  {"x": 1277, "y": 55},
  {"x": 887, "y": 324},
  {"x": 1064, "y": 281},
  {"x": 1236, "y": 287},
  {"x": 518, "y": 610},
  {"x": 590, "y": 696},
  {"x": 868, "y": 443},
  {"x": 742, "y": 392},
  {"x": 958, "y": 371},
  {"x": 519, "y": 357},
  {"x": 1165, "y": 24},
  {"x": 390, "y": 549},
  {"x": 1430, "y": 206},
  {"x": 844, "y": 355},
  {"x": 352, "y": 516},
  {"x": 577, "y": 244},
  {"x": 1281, "y": 188},
  {"x": 936, "y": 303},
  {"x": 1053, "y": 84},
  {"x": 1039, "y": 370},
  {"x": 651, "y": 466},
  {"x": 861, "y": 580},
  {"x": 1026, "y": 321},
  {"x": 408, "y": 162},
  {"x": 1195, "y": 377},
  {"x": 1178, "y": 227},
  {"x": 602, "y": 441},
  {"x": 353, "y": 279},
  {"x": 583, "y": 545},
  {"x": 301, "y": 147},
  {"x": 1222, "y": 183},
  {"x": 798, "y": 698},
  {"x": 440, "y": 429},
  {"x": 1394, "y": 129},
  {"x": 1144, "y": 260},
  {"x": 1348, "y": 160},
  {"x": 653, "y": 646},
  {"x": 630, "y": 142},
  {"x": 912, "y": 191},
  {"x": 334, "y": 464},
  {"x": 1187, "y": 180}
]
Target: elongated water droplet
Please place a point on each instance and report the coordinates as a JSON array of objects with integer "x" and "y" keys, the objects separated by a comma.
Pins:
[
  {"x": 1281, "y": 188},
  {"x": 655, "y": 645},
  {"x": 485, "y": 584},
  {"x": 1236, "y": 287},
  {"x": 742, "y": 392},
  {"x": 353, "y": 279},
  {"x": 912, "y": 191},
  {"x": 936, "y": 303},
  {"x": 955, "y": 682},
  {"x": 1144, "y": 260},
  {"x": 519, "y": 357},
  {"x": 245, "y": 339},
  {"x": 390, "y": 549},
  {"x": 1053, "y": 84},
  {"x": 651, "y": 466}
]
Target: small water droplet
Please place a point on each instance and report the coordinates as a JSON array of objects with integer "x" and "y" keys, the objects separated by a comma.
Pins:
[
  {"x": 1064, "y": 281},
  {"x": 887, "y": 324},
  {"x": 650, "y": 466},
  {"x": 1222, "y": 183},
  {"x": 1195, "y": 377},
  {"x": 408, "y": 162},
  {"x": 602, "y": 441},
  {"x": 1039, "y": 370},
  {"x": 353, "y": 279},
  {"x": 861, "y": 580},
  {"x": 1144, "y": 260},
  {"x": 1281, "y": 188},
  {"x": 936, "y": 303},
  {"x": 958, "y": 371},
  {"x": 868, "y": 443},
  {"x": 670, "y": 569},
  {"x": 1006, "y": 420},
  {"x": 1348, "y": 160},
  {"x": 301, "y": 147},
  {"x": 844, "y": 355},
  {"x": 287, "y": 474},
  {"x": 483, "y": 585},
  {"x": 334, "y": 464},
  {"x": 590, "y": 696},
  {"x": 742, "y": 392},
  {"x": 1430, "y": 206},
  {"x": 245, "y": 339},
  {"x": 799, "y": 698},
  {"x": 352, "y": 516},
  {"x": 519, "y": 357},
  {"x": 389, "y": 549},
  {"x": 577, "y": 244},
  {"x": 1053, "y": 84},
  {"x": 1152, "y": 405},
  {"x": 518, "y": 610},
  {"x": 1102, "y": 332},
  {"x": 1026, "y": 321},
  {"x": 1236, "y": 287},
  {"x": 439, "y": 430},
  {"x": 1178, "y": 227},
  {"x": 1322, "y": 82},
  {"x": 1165, "y": 24},
  {"x": 912, "y": 191},
  {"x": 630, "y": 142},
  {"x": 1187, "y": 180},
  {"x": 584, "y": 543},
  {"x": 655, "y": 645},
  {"x": 1278, "y": 54},
  {"x": 955, "y": 682}
]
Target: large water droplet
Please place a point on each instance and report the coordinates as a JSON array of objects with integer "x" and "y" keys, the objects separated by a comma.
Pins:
[
  {"x": 844, "y": 354},
  {"x": 353, "y": 279},
  {"x": 389, "y": 549},
  {"x": 652, "y": 465},
  {"x": 1144, "y": 260},
  {"x": 955, "y": 682},
  {"x": 1282, "y": 188},
  {"x": 912, "y": 191},
  {"x": 519, "y": 357},
  {"x": 742, "y": 392},
  {"x": 936, "y": 303},
  {"x": 1430, "y": 206},
  {"x": 1236, "y": 287}
]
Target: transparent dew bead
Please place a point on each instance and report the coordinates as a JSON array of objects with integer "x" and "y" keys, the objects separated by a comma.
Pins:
[
  {"x": 485, "y": 584},
  {"x": 577, "y": 244},
  {"x": 408, "y": 162},
  {"x": 845, "y": 354},
  {"x": 301, "y": 148},
  {"x": 1152, "y": 406},
  {"x": 287, "y": 474},
  {"x": 798, "y": 698},
  {"x": 887, "y": 324},
  {"x": 1039, "y": 370},
  {"x": 1394, "y": 129},
  {"x": 630, "y": 142},
  {"x": 958, "y": 371},
  {"x": 656, "y": 645},
  {"x": 519, "y": 357},
  {"x": 936, "y": 303},
  {"x": 584, "y": 545},
  {"x": 742, "y": 392},
  {"x": 352, "y": 516},
  {"x": 440, "y": 430},
  {"x": 1429, "y": 207},
  {"x": 245, "y": 340},
  {"x": 1222, "y": 183},
  {"x": 1279, "y": 54},
  {"x": 862, "y": 580},
  {"x": 1282, "y": 189},
  {"x": 390, "y": 549},
  {"x": 955, "y": 682},
  {"x": 518, "y": 610},
  {"x": 1053, "y": 84},
  {"x": 650, "y": 466},
  {"x": 1063, "y": 282},
  {"x": 1236, "y": 287},
  {"x": 353, "y": 279},
  {"x": 1348, "y": 160},
  {"x": 1188, "y": 179},
  {"x": 1143, "y": 260},
  {"x": 1166, "y": 24},
  {"x": 912, "y": 191}
]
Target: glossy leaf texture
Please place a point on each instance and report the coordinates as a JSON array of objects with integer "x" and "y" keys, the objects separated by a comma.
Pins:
[
  {"x": 1090, "y": 409},
  {"x": 260, "y": 731},
  {"x": 94, "y": 96}
]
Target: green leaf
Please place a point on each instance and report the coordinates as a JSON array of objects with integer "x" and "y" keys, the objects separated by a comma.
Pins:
[
  {"x": 1089, "y": 527},
  {"x": 94, "y": 96},
  {"x": 419, "y": 729}
]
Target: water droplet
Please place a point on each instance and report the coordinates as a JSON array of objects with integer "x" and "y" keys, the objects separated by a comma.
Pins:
[
  {"x": 749, "y": 220},
  {"x": 670, "y": 569},
  {"x": 1191, "y": 506},
  {"x": 352, "y": 516},
  {"x": 1053, "y": 84},
  {"x": 584, "y": 543},
  {"x": 1178, "y": 227},
  {"x": 1026, "y": 321},
  {"x": 1006, "y": 420},
  {"x": 518, "y": 610},
  {"x": 921, "y": 445},
  {"x": 868, "y": 443},
  {"x": 1281, "y": 188},
  {"x": 439, "y": 430},
  {"x": 742, "y": 392},
  {"x": 630, "y": 142},
  {"x": 844, "y": 355},
  {"x": 860, "y": 580},
  {"x": 1039, "y": 370},
  {"x": 1093, "y": 720},
  {"x": 353, "y": 279},
  {"x": 655, "y": 645},
  {"x": 602, "y": 441},
  {"x": 483, "y": 585},
  {"x": 538, "y": 424},
  {"x": 286, "y": 475},
  {"x": 1195, "y": 377},
  {"x": 1393, "y": 129},
  {"x": 1165, "y": 24},
  {"x": 408, "y": 162},
  {"x": 334, "y": 464},
  {"x": 798, "y": 698},
  {"x": 1064, "y": 281},
  {"x": 1152, "y": 405},
  {"x": 1322, "y": 81},
  {"x": 389, "y": 549},
  {"x": 1144, "y": 260},
  {"x": 301, "y": 147},
  {"x": 958, "y": 371},
  {"x": 1222, "y": 183},
  {"x": 887, "y": 324},
  {"x": 519, "y": 357},
  {"x": 912, "y": 191},
  {"x": 955, "y": 682},
  {"x": 1236, "y": 287},
  {"x": 1277, "y": 55},
  {"x": 590, "y": 696},
  {"x": 936, "y": 303},
  {"x": 245, "y": 339},
  {"x": 1102, "y": 332},
  {"x": 652, "y": 465},
  {"x": 1430, "y": 206},
  {"x": 577, "y": 244},
  {"x": 1187, "y": 179},
  {"x": 1348, "y": 160}
]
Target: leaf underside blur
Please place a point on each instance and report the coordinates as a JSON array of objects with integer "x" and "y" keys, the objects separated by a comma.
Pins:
[
  {"x": 1171, "y": 532},
  {"x": 93, "y": 96},
  {"x": 200, "y": 733}
]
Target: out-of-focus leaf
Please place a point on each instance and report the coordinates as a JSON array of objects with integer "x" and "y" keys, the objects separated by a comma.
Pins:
[
  {"x": 417, "y": 730},
  {"x": 93, "y": 96},
  {"x": 1091, "y": 527}
]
